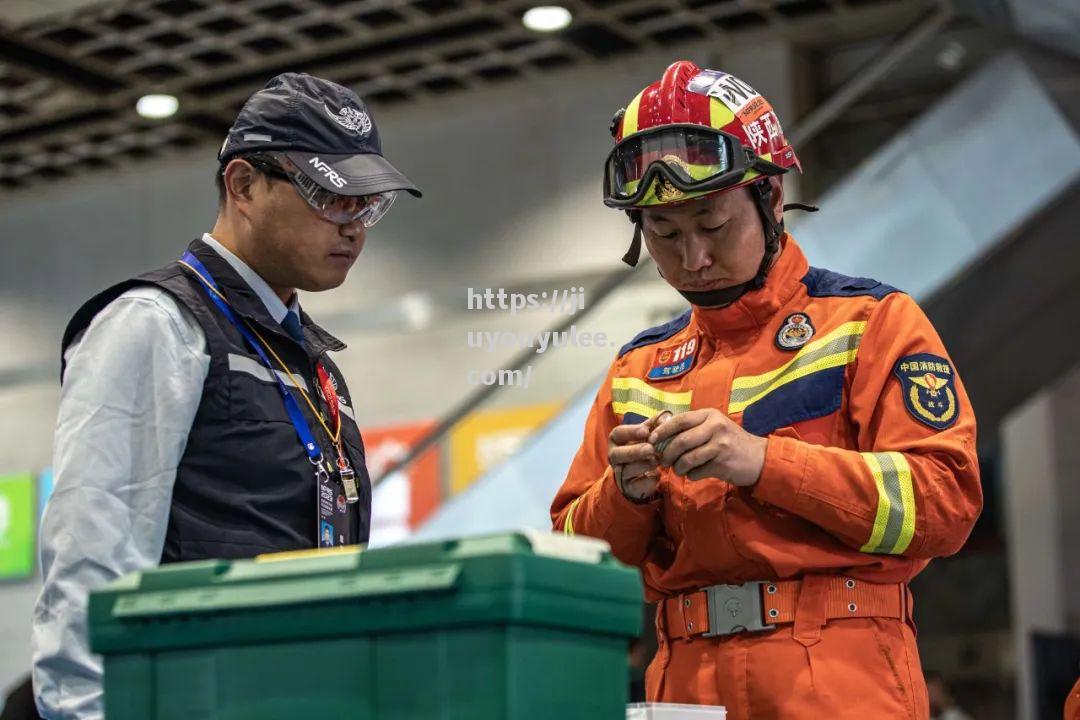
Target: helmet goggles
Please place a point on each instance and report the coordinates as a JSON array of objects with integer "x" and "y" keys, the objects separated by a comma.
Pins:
[
  {"x": 677, "y": 159},
  {"x": 338, "y": 209}
]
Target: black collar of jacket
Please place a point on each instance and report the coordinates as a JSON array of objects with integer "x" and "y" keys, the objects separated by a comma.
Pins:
[{"x": 249, "y": 305}]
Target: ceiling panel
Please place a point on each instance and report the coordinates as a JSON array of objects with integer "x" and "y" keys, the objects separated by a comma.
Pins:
[{"x": 69, "y": 77}]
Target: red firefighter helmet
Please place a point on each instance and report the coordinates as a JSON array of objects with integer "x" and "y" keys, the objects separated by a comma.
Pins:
[{"x": 692, "y": 133}]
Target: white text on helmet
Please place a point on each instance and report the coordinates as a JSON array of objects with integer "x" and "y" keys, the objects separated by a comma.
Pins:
[
  {"x": 329, "y": 172},
  {"x": 728, "y": 89},
  {"x": 732, "y": 90}
]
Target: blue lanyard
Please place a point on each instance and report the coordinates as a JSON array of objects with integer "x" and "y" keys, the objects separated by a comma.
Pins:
[{"x": 297, "y": 417}]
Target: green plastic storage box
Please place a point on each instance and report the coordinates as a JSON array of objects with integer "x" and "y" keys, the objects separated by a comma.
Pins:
[{"x": 507, "y": 627}]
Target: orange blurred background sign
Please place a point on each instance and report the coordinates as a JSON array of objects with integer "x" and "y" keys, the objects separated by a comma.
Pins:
[
  {"x": 484, "y": 439},
  {"x": 404, "y": 500}
]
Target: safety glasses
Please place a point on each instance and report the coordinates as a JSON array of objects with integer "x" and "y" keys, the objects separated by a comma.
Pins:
[
  {"x": 338, "y": 209},
  {"x": 677, "y": 159}
]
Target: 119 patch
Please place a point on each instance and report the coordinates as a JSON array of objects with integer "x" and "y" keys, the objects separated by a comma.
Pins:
[
  {"x": 928, "y": 384},
  {"x": 673, "y": 361}
]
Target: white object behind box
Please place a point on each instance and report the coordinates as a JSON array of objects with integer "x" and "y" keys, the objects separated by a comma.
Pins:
[{"x": 674, "y": 711}]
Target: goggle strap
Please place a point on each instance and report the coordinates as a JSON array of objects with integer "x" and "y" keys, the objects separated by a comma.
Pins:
[{"x": 764, "y": 166}]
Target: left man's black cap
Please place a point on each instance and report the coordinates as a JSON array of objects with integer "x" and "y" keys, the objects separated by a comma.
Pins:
[{"x": 324, "y": 128}]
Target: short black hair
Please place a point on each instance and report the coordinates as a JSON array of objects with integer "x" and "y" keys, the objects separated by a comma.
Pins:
[{"x": 219, "y": 181}]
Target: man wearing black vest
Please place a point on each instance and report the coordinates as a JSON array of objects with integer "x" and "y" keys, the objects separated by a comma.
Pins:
[{"x": 200, "y": 414}]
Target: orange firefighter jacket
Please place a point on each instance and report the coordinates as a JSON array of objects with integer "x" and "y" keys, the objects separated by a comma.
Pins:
[
  {"x": 870, "y": 467},
  {"x": 1072, "y": 703}
]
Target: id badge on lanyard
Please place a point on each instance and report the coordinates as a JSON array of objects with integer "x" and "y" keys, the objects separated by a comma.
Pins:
[{"x": 334, "y": 526}]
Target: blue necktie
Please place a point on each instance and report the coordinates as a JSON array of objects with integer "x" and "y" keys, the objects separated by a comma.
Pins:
[{"x": 291, "y": 323}]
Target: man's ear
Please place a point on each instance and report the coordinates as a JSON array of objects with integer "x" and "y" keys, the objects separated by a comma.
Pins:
[
  {"x": 240, "y": 179},
  {"x": 776, "y": 198}
]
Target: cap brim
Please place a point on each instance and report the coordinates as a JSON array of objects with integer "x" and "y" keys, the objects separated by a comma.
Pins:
[{"x": 365, "y": 174}]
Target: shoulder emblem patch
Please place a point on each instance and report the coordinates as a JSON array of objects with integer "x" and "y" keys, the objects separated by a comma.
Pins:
[
  {"x": 795, "y": 332},
  {"x": 672, "y": 361},
  {"x": 927, "y": 382}
]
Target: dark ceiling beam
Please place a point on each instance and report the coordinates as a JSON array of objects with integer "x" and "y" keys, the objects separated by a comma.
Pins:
[
  {"x": 470, "y": 25},
  {"x": 81, "y": 74},
  {"x": 76, "y": 120}
]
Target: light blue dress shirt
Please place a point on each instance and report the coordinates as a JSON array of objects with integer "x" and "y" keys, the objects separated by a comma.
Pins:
[{"x": 131, "y": 389}]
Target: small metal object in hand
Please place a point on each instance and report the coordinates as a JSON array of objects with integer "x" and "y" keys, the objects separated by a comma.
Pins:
[{"x": 662, "y": 445}]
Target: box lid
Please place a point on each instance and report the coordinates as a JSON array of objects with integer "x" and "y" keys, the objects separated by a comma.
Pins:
[
  {"x": 520, "y": 578},
  {"x": 674, "y": 711}
]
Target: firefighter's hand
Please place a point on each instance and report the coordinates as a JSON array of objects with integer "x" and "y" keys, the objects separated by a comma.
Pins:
[
  {"x": 708, "y": 444},
  {"x": 634, "y": 462}
]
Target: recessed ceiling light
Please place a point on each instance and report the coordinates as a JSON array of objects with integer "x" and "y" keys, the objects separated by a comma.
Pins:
[
  {"x": 546, "y": 18},
  {"x": 157, "y": 107}
]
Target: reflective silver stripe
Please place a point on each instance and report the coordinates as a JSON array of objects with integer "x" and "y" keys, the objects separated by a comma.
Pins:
[
  {"x": 347, "y": 412},
  {"x": 894, "y": 523},
  {"x": 628, "y": 396},
  {"x": 239, "y": 363},
  {"x": 634, "y": 395},
  {"x": 890, "y": 480}
]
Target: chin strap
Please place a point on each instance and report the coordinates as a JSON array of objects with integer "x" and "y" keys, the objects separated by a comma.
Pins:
[
  {"x": 715, "y": 298},
  {"x": 634, "y": 253},
  {"x": 761, "y": 191}
]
